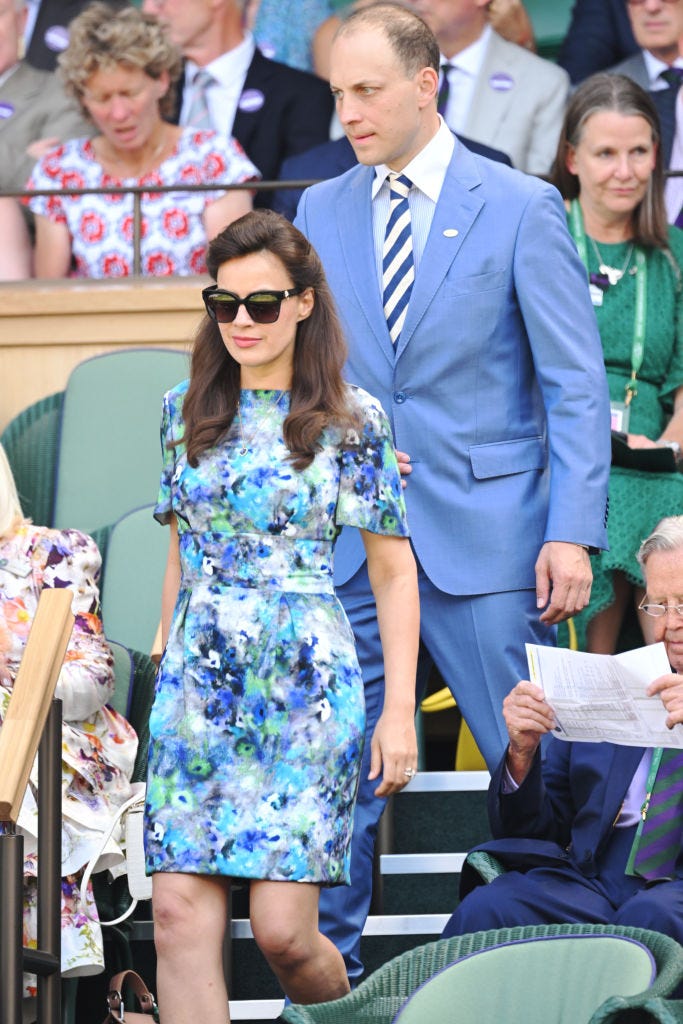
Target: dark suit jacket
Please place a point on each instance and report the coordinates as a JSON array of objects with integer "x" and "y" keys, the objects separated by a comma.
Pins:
[
  {"x": 333, "y": 158},
  {"x": 564, "y": 810},
  {"x": 52, "y": 15},
  {"x": 599, "y": 36},
  {"x": 294, "y": 116}
]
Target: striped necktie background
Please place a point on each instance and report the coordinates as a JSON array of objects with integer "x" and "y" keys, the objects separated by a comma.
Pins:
[
  {"x": 198, "y": 114},
  {"x": 398, "y": 268},
  {"x": 659, "y": 842}
]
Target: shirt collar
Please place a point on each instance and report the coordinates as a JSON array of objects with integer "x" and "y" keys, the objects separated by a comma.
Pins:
[
  {"x": 230, "y": 66},
  {"x": 654, "y": 66},
  {"x": 7, "y": 74},
  {"x": 471, "y": 58},
  {"x": 427, "y": 170}
]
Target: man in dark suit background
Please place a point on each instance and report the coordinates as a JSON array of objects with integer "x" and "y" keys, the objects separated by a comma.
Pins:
[
  {"x": 599, "y": 35},
  {"x": 47, "y": 30},
  {"x": 565, "y": 825},
  {"x": 274, "y": 111}
]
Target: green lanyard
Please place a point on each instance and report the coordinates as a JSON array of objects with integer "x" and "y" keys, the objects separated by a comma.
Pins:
[
  {"x": 654, "y": 768},
  {"x": 640, "y": 316}
]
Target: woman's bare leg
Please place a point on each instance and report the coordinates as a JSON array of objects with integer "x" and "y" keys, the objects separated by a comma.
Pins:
[
  {"x": 190, "y": 918},
  {"x": 603, "y": 629},
  {"x": 16, "y": 256},
  {"x": 284, "y": 919}
]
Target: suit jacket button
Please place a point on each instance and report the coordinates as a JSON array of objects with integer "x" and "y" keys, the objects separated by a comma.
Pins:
[{"x": 399, "y": 397}]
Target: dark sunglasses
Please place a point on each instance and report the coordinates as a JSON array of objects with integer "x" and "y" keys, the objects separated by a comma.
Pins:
[{"x": 262, "y": 307}]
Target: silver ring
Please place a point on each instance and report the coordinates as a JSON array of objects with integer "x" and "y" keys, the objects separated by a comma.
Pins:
[{"x": 409, "y": 772}]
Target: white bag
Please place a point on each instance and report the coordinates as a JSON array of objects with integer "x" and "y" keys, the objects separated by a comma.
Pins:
[{"x": 139, "y": 884}]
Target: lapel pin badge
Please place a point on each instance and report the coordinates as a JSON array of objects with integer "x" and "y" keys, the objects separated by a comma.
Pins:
[{"x": 450, "y": 232}]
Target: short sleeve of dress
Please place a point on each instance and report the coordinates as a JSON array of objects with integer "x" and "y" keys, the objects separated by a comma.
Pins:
[
  {"x": 171, "y": 430},
  {"x": 674, "y": 374},
  {"x": 370, "y": 492},
  {"x": 46, "y": 174}
]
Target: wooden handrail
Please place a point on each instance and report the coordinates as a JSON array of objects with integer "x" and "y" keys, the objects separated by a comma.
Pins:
[{"x": 32, "y": 693}]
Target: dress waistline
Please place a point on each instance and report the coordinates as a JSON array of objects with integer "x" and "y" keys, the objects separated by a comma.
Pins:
[{"x": 257, "y": 561}]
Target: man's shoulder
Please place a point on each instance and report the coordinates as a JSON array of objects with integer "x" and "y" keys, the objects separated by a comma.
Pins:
[
  {"x": 511, "y": 55},
  {"x": 277, "y": 76},
  {"x": 28, "y": 80},
  {"x": 633, "y": 67}
]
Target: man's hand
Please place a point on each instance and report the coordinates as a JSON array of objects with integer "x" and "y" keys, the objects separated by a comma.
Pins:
[
  {"x": 563, "y": 580},
  {"x": 404, "y": 467},
  {"x": 40, "y": 147},
  {"x": 670, "y": 689},
  {"x": 528, "y": 717}
]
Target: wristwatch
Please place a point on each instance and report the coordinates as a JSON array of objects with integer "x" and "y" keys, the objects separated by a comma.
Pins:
[{"x": 674, "y": 446}]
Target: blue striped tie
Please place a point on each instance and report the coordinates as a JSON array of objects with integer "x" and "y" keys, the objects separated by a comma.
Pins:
[{"x": 398, "y": 269}]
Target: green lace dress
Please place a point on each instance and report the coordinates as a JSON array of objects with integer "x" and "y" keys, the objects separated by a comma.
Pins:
[{"x": 638, "y": 500}]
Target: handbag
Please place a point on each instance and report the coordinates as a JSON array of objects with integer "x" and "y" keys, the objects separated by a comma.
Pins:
[
  {"x": 117, "y": 1012},
  {"x": 139, "y": 884}
]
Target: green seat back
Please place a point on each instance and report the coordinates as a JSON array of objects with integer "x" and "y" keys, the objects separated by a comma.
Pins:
[
  {"x": 131, "y": 589},
  {"x": 109, "y": 455},
  {"x": 550, "y": 19},
  {"x": 30, "y": 443},
  {"x": 123, "y": 675},
  {"x": 558, "y": 979}
]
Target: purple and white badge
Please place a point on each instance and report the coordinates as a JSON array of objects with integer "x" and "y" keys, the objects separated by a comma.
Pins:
[
  {"x": 56, "y": 38},
  {"x": 501, "y": 81},
  {"x": 251, "y": 100},
  {"x": 6, "y": 110}
]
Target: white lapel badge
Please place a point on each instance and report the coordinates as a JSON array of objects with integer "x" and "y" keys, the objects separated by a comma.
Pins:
[{"x": 450, "y": 232}]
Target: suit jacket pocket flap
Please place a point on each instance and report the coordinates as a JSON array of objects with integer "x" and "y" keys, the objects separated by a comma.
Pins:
[{"x": 505, "y": 457}]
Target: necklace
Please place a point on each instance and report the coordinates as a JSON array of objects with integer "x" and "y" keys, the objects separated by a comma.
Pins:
[
  {"x": 613, "y": 274},
  {"x": 149, "y": 163},
  {"x": 248, "y": 441}
]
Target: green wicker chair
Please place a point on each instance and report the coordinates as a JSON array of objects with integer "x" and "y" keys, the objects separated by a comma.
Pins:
[
  {"x": 30, "y": 443},
  {"x": 380, "y": 997}
]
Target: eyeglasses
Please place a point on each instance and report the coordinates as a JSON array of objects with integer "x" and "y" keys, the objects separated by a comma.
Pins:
[
  {"x": 639, "y": 3},
  {"x": 262, "y": 307},
  {"x": 657, "y": 610}
]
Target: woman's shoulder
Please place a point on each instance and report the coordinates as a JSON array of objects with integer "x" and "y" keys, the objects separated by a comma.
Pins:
[
  {"x": 74, "y": 156},
  {"x": 362, "y": 400},
  {"x": 676, "y": 243},
  {"x": 31, "y": 541},
  {"x": 175, "y": 395}
]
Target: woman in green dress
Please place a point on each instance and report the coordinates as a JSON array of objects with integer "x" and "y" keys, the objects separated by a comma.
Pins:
[{"x": 609, "y": 170}]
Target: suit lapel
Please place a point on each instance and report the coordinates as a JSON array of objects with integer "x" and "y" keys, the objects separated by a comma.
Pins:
[
  {"x": 354, "y": 207},
  {"x": 455, "y": 213},
  {"x": 245, "y": 120},
  {"x": 618, "y": 778},
  {"x": 490, "y": 105}
]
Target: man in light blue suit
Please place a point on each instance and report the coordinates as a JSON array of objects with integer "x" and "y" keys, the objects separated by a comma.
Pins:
[{"x": 495, "y": 388}]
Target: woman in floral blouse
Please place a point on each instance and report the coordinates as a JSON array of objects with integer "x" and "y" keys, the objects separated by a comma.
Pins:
[
  {"x": 120, "y": 67},
  {"x": 98, "y": 745}
]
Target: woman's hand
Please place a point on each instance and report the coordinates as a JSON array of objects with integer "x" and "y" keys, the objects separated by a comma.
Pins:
[
  {"x": 404, "y": 467},
  {"x": 393, "y": 751},
  {"x": 641, "y": 441}
]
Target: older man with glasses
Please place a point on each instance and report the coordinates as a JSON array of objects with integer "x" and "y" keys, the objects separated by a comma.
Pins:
[{"x": 592, "y": 833}]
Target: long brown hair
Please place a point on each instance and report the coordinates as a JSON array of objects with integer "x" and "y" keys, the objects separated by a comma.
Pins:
[
  {"x": 623, "y": 96},
  {"x": 319, "y": 396}
]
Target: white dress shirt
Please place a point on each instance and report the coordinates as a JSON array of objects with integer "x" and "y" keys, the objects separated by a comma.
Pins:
[
  {"x": 427, "y": 171},
  {"x": 462, "y": 77},
  {"x": 229, "y": 71}
]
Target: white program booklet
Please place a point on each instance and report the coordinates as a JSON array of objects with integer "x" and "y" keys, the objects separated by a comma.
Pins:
[{"x": 602, "y": 697}]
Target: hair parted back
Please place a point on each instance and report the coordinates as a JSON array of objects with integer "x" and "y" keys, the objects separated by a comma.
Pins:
[
  {"x": 319, "y": 396},
  {"x": 607, "y": 92},
  {"x": 666, "y": 536},
  {"x": 104, "y": 37},
  {"x": 11, "y": 513},
  {"x": 409, "y": 36}
]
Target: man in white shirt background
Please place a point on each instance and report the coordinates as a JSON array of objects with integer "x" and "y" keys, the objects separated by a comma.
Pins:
[{"x": 494, "y": 91}]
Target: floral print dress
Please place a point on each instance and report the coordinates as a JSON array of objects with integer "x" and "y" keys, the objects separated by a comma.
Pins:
[
  {"x": 257, "y": 728},
  {"x": 173, "y": 238},
  {"x": 98, "y": 745}
]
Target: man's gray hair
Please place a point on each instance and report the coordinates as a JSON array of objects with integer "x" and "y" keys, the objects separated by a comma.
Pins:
[{"x": 666, "y": 536}]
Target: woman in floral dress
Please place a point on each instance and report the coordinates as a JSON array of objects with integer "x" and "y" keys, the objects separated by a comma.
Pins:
[
  {"x": 98, "y": 745},
  {"x": 121, "y": 68},
  {"x": 257, "y": 727}
]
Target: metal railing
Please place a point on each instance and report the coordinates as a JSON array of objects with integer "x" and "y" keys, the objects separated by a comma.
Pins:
[{"x": 140, "y": 191}]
